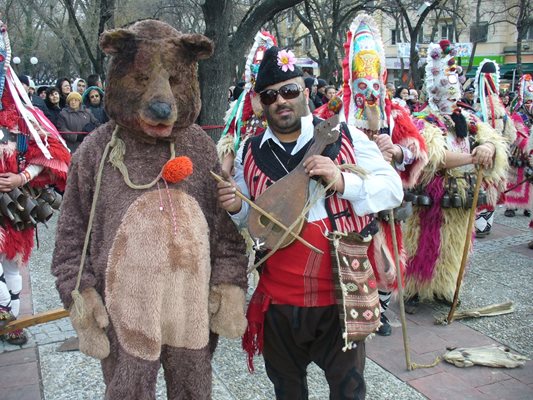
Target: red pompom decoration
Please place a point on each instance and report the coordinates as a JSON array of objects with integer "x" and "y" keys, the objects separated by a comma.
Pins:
[
  {"x": 445, "y": 45},
  {"x": 177, "y": 169}
]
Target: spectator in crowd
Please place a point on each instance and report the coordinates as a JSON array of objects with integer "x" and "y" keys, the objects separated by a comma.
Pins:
[
  {"x": 79, "y": 86},
  {"x": 237, "y": 90},
  {"x": 94, "y": 80},
  {"x": 321, "y": 90},
  {"x": 390, "y": 90},
  {"x": 93, "y": 100},
  {"x": 468, "y": 97},
  {"x": 329, "y": 92},
  {"x": 412, "y": 101},
  {"x": 74, "y": 118},
  {"x": 311, "y": 85},
  {"x": 63, "y": 85},
  {"x": 41, "y": 92},
  {"x": 402, "y": 93},
  {"x": 52, "y": 109},
  {"x": 35, "y": 100}
]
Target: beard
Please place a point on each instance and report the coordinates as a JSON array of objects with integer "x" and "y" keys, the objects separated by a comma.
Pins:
[{"x": 285, "y": 118}]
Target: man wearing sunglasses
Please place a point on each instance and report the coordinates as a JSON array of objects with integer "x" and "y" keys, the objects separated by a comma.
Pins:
[{"x": 293, "y": 310}]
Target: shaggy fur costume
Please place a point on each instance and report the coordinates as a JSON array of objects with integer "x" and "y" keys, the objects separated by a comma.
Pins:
[
  {"x": 167, "y": 262},
  {"x": 434, "y": 236},
  {"x": 521, "y": 196},
  {"x": 381, "y": 250},
  {"x": 18, "y": 245}
]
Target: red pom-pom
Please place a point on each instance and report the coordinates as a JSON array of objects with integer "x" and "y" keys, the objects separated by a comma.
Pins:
[{"x": 177, "y": 169}]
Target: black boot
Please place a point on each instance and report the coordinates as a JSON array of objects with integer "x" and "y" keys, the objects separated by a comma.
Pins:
[
  {"x": 385, "y": 329},
  {"x": 411, "y": 304}
]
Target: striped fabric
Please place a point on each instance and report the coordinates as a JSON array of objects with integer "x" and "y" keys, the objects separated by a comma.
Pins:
[{"x": 341, "y": 210}]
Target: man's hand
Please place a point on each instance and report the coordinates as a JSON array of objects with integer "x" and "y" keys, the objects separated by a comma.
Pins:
[
  {"x": 483, "y": 155},
  {"x": 226, "y": 194},
  {"x": 389, "y": 150},
  {"x": 325, "y": 168},
  {"x": 10, "y": 181}
]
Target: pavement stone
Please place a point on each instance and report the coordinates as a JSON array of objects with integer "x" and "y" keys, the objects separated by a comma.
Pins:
[{"x": 499, "y": 269}]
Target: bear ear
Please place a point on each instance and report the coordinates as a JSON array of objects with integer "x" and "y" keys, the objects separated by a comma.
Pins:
[
  {"x": 198, "y": 46},
  {"x": 117, "y": 41}
]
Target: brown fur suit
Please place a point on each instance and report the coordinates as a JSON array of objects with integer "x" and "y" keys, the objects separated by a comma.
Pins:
[{"x": 163, "y": 292}]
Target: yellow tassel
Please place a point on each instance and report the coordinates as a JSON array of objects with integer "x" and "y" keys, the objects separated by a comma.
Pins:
[
  {"x": 354, "y": 169},
  {"x": 78, "y": 303},
  {"x": 116, "y": 156}
]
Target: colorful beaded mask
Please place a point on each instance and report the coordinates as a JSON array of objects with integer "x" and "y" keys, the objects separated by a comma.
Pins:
[
  {"x": 442, "y": 77},
  {"x": 363, "y": 69}
]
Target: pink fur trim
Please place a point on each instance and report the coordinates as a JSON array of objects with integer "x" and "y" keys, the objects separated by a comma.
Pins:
[{"x": 421, "y": 267}]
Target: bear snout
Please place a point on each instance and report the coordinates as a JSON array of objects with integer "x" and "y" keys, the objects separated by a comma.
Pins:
[{"x": 160, "y": 110}]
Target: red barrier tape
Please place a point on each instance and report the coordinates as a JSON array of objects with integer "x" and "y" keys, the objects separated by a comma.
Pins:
[{"x": 205, "y": 128}]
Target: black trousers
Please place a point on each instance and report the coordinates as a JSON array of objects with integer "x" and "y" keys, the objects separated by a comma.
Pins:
[{"x": 296, "y": 336}]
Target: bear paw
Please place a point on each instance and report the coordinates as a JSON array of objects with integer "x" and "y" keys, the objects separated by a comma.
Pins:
[{"x": 89, "y": 324}]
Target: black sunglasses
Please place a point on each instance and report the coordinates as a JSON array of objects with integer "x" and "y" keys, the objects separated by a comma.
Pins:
[{"x": 288, "y": 92}]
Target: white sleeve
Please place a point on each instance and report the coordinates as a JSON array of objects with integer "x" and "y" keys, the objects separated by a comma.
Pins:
[
  {"x": 240, "y": 219},
  {"x": 34, "y": 170},
  {"x": 382, "y": 189}
]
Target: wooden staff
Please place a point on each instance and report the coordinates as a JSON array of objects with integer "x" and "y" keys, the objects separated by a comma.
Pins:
[
  {"x": 30, "y": 320},
  {"x": 269, "y": 216},
  {"x": 400, "y": 291},
  {"x": 466, "y": 249}
]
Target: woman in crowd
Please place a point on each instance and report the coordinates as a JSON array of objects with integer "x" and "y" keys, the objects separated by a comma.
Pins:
[
  {"x": 51, "y": 101},
  {"x": 74, "y": 118},
  {"x": 63, "y": 85},
  {"x": 93, "y": 100},
  {"x": 329, "y": 92}
]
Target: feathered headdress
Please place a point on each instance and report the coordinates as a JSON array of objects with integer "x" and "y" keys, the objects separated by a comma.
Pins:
[
  {"x": 525, "y": 90},
  {"x": 16, "y": 108},
  {"x": 363, "y": 70},
  {"x": 241, "y": 109},
  {"x": 5, "y": 57},
  {"x": 442, "y": 77},
  {"x": 486, "y": 88}
]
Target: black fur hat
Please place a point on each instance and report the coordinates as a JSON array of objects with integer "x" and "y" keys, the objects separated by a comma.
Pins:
[{"x": 270, "y": 72}]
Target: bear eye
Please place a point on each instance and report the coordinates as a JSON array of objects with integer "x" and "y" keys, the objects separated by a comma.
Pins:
[{"x": 142, "y": 78}]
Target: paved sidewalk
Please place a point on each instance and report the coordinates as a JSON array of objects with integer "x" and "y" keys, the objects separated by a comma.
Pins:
[{"x": 501, "y": 269}]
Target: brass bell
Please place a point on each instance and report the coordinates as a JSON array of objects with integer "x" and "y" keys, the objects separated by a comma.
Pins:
[{"x": 43, "y": 211}]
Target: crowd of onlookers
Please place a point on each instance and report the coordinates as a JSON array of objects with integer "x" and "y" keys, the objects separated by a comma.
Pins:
[{"x": 74, "y": 107}]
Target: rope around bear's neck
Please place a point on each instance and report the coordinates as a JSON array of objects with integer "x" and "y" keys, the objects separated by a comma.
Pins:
[{"x": 116, "y": 158}]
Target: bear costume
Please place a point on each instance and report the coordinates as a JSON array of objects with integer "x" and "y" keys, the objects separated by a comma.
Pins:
[{"x": 165, "y": 269}]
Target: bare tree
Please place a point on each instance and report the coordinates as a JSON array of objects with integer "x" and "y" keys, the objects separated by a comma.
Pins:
[
  {"x": 413, "y": 26},
  {"x": 232, "y": 37},
  {"x": 524, "y": 21},
  {"x": 327, "y": 22}
]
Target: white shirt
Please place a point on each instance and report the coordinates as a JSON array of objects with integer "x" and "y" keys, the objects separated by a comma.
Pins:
[{"x": 381, "y": 190}]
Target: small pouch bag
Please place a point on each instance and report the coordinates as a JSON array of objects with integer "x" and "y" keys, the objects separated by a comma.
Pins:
[{"x": 355, "y": 287}]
